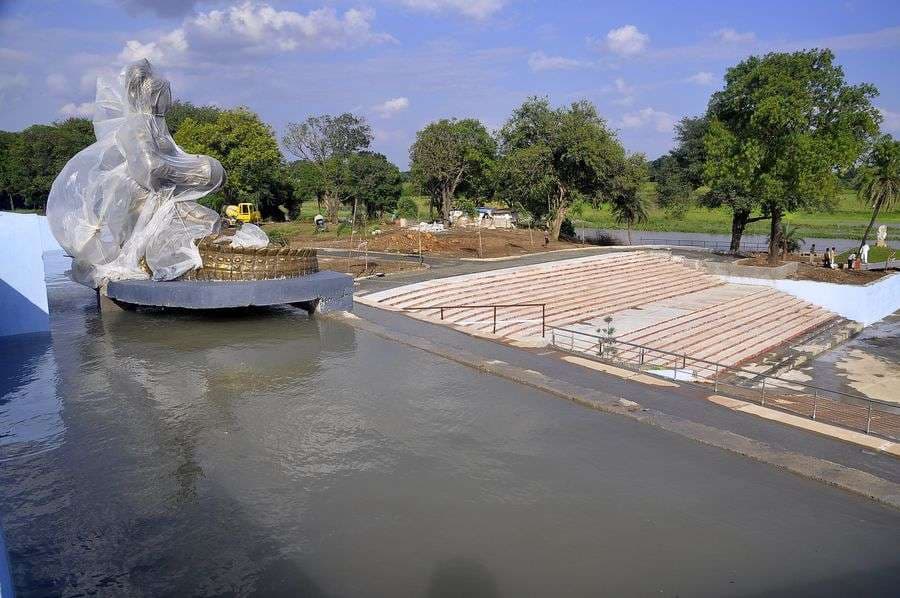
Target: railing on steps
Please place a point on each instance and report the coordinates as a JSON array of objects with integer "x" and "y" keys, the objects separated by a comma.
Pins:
[
  {"x": 442, "y": 309},
  {"x": 854, "y": 412}
]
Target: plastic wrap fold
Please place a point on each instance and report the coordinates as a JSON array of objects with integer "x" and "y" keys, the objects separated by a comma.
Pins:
[{"x": 125, "y": 207}]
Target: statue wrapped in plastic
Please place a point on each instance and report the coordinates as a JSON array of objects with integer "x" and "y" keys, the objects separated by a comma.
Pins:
[{"x": 126, "y": 206}]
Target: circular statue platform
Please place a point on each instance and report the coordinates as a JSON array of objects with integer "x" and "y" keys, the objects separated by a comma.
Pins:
[{"x": 321, "y": 292}]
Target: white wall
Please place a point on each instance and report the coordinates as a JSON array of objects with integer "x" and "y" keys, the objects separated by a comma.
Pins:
[
  {"x": 23, "y": 292},
  {"x": 865, "y": 304}
]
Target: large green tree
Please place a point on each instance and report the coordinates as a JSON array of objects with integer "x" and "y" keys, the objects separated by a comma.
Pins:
[
  {"x": 370, "y": 180},
  {"x": 448, "y": 155},
  {"x": 328, "y": 141},
  {"x": 34, "y": 157},
  {"x": 628, "y": 205},
  {"x": 248, "y": 151},
  {"x": 552, "y": 156},
  {"x": 181, "y": 110},
  {"x": 780, "y": 132},
  {"x": 879, "y": 179}
]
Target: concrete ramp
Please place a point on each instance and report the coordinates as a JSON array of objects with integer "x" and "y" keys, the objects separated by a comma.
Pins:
[{"x": 653, "y": 298}]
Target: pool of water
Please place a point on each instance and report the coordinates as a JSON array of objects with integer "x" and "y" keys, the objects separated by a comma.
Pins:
[{"x": 271, "y": 454}]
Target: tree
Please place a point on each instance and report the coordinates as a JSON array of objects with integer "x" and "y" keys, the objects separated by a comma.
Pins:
[
  {"x": 628, "y": 206},
  {"x": 680, "y": 172},
  {"x": 552, "y": 157},
  {"x": 449, "y": 154},
  {"x": 369, "y": 178},
  {"x": 880, "y": 179},
  {"x": 327, "y": 141},
  {"x": 782, "y": 129},
  {"x": 248, "y": 151},
  {"x": 34, "y": 157},
  {"x": 306, "y": 179},
  {"x": 182, "y": 110}
]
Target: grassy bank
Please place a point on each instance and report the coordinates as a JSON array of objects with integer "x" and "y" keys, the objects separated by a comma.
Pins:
[{"x": 848, "y": 220}]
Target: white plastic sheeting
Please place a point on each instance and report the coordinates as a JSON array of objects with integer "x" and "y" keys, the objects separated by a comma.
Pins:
[
  {"x": 133, "y": 193},
  {"x": 250, "y": 236}
]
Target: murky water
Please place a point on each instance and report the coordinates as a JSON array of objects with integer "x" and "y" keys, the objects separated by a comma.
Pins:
[
  {"x": 712, "y": 241},
  {"x": 269, "y": 454}
]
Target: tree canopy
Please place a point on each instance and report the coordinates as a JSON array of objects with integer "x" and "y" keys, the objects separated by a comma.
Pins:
[
  {"x": 180, "y": 110},
  {"x": 448, "y": 155},
  {"x": 368, "y": 178},
  {"x": 782, "y": 129},
  {"x": 248, "y": 151},
  {"x": 326, "y": 141},
  {"x": 879, "y": 179},
  {"x": 31, "y": 159},
  {"x": 553, "y": 156}
]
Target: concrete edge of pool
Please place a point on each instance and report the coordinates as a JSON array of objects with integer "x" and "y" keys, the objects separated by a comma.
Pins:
[{"x": 814, "y": 468}]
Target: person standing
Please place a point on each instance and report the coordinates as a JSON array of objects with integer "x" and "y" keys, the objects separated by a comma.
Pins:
[{"x": 864, "y": 253}]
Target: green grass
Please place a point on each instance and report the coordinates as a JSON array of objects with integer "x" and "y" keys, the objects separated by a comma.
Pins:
[
  {"x": 848, "y": 220},
  {"x": 876, "y": 254}
]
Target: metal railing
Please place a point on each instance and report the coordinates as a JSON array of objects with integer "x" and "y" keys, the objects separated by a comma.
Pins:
[
  {"x": 443, "y": 308},
  {"x": 854, "y": 412}
]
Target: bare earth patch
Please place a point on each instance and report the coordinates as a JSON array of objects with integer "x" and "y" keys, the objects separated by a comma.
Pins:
[{"x": 816, "y": 271}]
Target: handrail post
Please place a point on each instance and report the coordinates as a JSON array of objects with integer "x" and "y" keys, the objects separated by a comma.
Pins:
[
  {"x": 642, "y": 355},
  {"x": 815, "y": 401},
  {"x": 495, "y": 319},
  {"x": 442, "y": 314},
  {"x": 543, "y": 320},
  {"x": 716, "y": 379},
  {"x": 684, "y": 361},
  {"x": 869, "y": 420},
  {"x": 763, "y": 401}
]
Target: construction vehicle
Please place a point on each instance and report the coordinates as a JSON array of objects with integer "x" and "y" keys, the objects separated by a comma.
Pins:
[{"x": 242, "y": 212}]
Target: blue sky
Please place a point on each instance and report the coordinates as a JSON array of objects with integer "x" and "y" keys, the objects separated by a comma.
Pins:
[{"x": 404, "y": 63}]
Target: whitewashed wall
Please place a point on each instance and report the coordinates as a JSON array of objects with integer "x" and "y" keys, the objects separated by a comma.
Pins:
[
  {"x": 865, "y": 304},
  {"x": 24, "y": 238}
]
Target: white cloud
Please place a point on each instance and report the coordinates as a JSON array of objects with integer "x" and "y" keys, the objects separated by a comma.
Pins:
[
  {"x": 538, "y": 61},
  {"x": 71, "y": 109},
  {"x": 625, "y": 90},
  {"x": 659, "y": 120},
  {"x": 258, "y": 28},
  {"x": 626, "y": 41},
  {"x": 391, "y": 107},
  {"x": 57, "y": 83},
  {"x": 167, "y": 50},
  {"x": 701, "y": 78},
  {"x": 11, "y": 86},
  {"x": 8, "y": 55},
  {"x": 891, "y": 120},
  {"x": 730, "y": 36},
  {"x": 476, "y": 9}
]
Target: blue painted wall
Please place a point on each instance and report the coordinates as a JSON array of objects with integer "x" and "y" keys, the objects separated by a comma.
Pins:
[{"x": 23, "y": 292}]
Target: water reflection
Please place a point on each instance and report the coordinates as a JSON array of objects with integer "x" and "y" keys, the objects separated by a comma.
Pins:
[{"x": 30, "y": 419}]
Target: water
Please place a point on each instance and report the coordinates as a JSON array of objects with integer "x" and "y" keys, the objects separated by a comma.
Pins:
[{"x": 269, "y": 454}]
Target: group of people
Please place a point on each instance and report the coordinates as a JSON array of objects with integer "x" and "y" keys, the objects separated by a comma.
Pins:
[{"x": 829, "y": 259}]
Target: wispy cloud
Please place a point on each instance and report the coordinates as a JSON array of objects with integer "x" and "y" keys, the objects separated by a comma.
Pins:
[
  {"x": 625, "y": 41},
  {"x": 255, "y": 28},
  {"x": 702, "y": 78},
  {"x": 891, "y": 122},
  {"x": 72, "y": 109},
  {"x": 648, "y": 117},
  {"x": 538, "y": 61},
  {"x": 476, "y": 9},
  {"x": 731, "y": 36},
  {"x": 391, "y": 107}
]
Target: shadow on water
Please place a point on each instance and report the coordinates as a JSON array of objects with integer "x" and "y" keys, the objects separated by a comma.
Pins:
[{"x": 461, "y": 576}]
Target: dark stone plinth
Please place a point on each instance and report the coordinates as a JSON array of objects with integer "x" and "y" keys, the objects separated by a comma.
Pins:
[{"x": 322, "y": 292}]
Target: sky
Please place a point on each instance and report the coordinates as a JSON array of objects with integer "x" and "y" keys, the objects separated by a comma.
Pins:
[{"x": 405, "y": 63}]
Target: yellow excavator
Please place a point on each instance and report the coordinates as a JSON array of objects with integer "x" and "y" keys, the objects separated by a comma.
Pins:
[{"x": 242, "y": 212}]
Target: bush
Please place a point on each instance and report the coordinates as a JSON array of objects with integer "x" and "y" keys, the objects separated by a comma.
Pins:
[
  {"x": 407, "y": 208},
  {"x": 567, "y": 229},
  {"x": 467, "y": 207}
]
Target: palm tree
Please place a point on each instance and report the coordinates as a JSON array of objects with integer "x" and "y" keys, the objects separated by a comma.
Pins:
[
  {"x": 880, "y": 179},
  {"x": 629, "y": 209}
]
